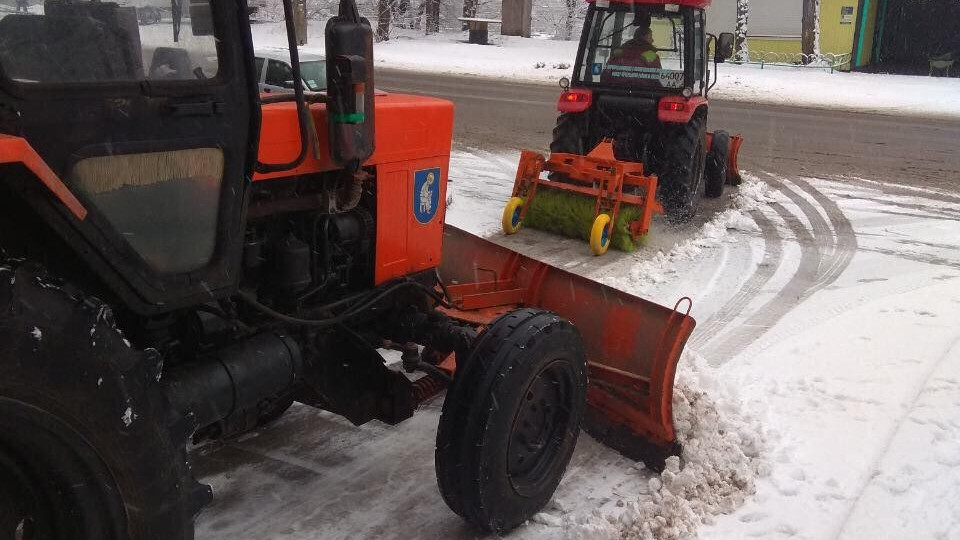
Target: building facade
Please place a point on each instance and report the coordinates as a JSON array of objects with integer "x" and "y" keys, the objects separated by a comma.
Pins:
[{"x": 900, "y": 36}]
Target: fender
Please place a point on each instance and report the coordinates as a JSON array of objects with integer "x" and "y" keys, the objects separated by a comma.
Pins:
[
  {"x": 18, "y": 150},
  {"x": 678, "y": 109}
]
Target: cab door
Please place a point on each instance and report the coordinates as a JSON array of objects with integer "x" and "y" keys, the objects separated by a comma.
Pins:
[{"x": 153, "y": 128}]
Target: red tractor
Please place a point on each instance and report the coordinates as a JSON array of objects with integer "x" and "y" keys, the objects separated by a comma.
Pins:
[
  {"x": 641, "y": 79},
  {"x": 182, "y": 258}
]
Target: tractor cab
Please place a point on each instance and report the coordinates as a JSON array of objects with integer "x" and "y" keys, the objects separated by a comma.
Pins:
[
  {"x": 640, "y": 47},
  {"x": 653, "y": 48}
]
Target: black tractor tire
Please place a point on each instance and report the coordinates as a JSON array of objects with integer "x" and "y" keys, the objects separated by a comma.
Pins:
[
  {"x": 88, "y": 445},
  {"x": 715, "y": 173},
  {"x": 568, "y": 135},
  {"x": 511, "y": 419},
  {"x": 682, "y": 165},
  {"x": 568, "y": 138}
]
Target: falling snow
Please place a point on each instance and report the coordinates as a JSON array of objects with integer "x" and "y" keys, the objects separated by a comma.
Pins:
[{"x": 128, "y": 416}]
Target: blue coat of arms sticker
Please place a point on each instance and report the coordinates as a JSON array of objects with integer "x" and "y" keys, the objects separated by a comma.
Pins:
[{"x": 426, "y": 194}]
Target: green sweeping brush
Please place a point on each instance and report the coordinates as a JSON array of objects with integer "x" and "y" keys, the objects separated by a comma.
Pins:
[{"x": 572, "y": 215}]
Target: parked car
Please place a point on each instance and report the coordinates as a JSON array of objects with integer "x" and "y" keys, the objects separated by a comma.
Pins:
[{"x": 276, "y": 75}]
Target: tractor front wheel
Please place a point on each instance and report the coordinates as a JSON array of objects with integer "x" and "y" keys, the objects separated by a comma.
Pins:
[
  {"x": 511, "y": 419},
  {"x": 715, "y": 173},
  {"x": 88, "y": 445}
]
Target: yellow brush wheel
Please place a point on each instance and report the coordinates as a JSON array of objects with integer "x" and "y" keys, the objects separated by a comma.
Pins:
[
  {"x": 600, "y": 234},
  {"x": 511, "y": 215}
]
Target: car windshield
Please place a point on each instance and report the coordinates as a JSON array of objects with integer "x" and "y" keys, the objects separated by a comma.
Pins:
[
  {"x": 635, "y": 48},
  {"x": 314, "y": 73}
]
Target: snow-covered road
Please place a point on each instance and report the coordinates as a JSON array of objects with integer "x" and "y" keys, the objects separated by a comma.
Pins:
[{"x": 819, "y": 397}]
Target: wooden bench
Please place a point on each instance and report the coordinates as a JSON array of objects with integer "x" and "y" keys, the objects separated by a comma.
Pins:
[{"x": 478, "y": 28}]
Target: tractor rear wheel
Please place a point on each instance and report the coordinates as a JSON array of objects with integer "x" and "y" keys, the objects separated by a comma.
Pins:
[
  {"x": 88, "y": 447},
  {"x": 568, "y": 138},
  {"x": 568, "y": 135},
  {"x": 511, "y": 419},
  {"x": 682, "y": 165}
]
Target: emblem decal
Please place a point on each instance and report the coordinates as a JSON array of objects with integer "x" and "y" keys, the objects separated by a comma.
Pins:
[{"x": 426, "y": 194}]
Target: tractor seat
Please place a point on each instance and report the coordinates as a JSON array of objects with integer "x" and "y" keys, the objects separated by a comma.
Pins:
[{"x": 170, "y": 63}]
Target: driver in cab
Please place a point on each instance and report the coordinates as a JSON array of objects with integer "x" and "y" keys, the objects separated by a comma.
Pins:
[{"x": 638, "y": 52}]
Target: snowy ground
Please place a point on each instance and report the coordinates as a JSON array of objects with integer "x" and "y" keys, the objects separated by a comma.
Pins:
[
  {"x": 819, "y": 396},
  {"x": 516, "y": 59}
]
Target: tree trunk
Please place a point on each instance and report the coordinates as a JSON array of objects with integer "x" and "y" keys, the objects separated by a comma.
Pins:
[
  {"x": 810, "y": 36},
  {"x": 433, "y": 16},
  {"x": 743, "y": 15},
  {"x": 383, "y": 20},
  {"x": 572, "y": 6},
  {"x": 401, "y": 12}
]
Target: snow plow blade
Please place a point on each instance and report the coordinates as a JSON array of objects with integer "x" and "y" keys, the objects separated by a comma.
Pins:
[{"x": 632, "y": 344}]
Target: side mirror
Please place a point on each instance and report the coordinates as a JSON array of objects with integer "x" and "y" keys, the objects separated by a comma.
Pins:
[
  {"x": 724, "y": 48},
  {"x": 350, "y": 88}
]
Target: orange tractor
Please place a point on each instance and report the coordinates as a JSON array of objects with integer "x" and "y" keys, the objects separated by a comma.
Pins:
[{"x": 182, "y": 258}]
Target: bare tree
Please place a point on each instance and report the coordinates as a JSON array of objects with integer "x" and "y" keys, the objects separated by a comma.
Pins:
[
  {"x": 470, "y": 8},
  {"x": 573, "y": 10},
  {"x": 743, "y": 16},
  {"x": 432, "y": 15},
  {"x": 810, "y": 35},
  {"x": 383, "y": 20}
]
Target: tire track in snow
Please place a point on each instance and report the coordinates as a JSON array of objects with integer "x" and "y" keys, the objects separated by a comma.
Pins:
[
  {"x": 826, "y": 251},
  {"x": 844, "y": 240},
  {"x": 741, "y": 336},
  {"x": 772, "y": 255}
]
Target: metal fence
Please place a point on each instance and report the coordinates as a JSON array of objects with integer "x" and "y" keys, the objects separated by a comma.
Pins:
[{"x": 829, "y": 61}]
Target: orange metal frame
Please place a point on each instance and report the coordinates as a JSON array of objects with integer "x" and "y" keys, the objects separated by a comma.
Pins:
[
  {"x": 17, "y": 150},
  {"x": 605, "y": 179}
]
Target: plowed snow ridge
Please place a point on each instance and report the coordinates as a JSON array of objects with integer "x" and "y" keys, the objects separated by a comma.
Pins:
[{"x": 722, "y": 456}]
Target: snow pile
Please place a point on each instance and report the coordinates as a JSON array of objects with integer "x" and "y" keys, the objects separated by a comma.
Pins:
[
  {"x": 722, "y": 228},
  {"x": 722, "y": 457}
]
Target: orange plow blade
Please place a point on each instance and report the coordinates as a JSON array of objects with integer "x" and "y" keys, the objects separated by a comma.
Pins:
[{"x": 632, "y": 344}]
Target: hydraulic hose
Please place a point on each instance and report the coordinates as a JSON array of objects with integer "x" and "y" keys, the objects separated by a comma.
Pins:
[{"x": 350, "y": 313}]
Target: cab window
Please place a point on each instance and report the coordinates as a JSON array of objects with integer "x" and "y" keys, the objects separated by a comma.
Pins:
[
  {"x": 642, "y": 47},
  {"x": 94, "y": 42}
]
